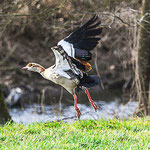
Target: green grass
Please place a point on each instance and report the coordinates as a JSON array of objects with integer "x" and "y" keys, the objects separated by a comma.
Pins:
[{"x": 110, "y": 134}]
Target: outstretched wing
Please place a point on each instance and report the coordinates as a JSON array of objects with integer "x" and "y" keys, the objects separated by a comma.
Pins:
[
  {"x": 63, "y": 64},
  {"x": 79, "y": 43}
]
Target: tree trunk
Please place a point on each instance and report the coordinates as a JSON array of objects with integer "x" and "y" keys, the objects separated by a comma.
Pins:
[
  {"x": 144, "y": 61},
  {"x": 4, "y": 114}
]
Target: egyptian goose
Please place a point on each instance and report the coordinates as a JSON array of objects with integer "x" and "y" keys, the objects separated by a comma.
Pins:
[{"x": 71, "y": 61}]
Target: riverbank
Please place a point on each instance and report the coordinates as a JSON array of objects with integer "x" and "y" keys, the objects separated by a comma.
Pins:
[{"x": 110, "y": 134}]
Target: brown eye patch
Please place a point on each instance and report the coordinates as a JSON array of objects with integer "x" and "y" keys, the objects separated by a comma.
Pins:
[{"x": 30, "y": 64}]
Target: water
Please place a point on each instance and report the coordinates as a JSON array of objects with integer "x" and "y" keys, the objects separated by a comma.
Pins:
[{"x": 106, "y": 110}]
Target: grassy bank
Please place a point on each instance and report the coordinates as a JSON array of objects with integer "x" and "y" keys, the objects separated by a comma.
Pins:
[{"x": 111, "y": 134}]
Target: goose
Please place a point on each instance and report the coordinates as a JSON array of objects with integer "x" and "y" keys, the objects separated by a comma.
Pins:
[{"x": 72, "y": 56}]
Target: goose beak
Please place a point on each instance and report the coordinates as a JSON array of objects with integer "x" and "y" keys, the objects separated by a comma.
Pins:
[{"x": 25, "y": 68}]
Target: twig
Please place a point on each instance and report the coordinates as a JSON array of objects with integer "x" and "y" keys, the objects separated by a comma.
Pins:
[
  {"x": 9, "y": 68},
  {"x": 42, "y": 101},
  {"x": 60, "y": 98},
  {"x": 96, "y": 67}
]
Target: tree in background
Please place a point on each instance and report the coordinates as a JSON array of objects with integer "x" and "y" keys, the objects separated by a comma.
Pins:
[
  {"x": 143, "y": 61},
  {"x": 4, "y": 114}
]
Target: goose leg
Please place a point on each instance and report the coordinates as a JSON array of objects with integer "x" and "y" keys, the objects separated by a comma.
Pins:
[
  {"x": 90, "y": 99},
  {"x": 75, "y": 106}
]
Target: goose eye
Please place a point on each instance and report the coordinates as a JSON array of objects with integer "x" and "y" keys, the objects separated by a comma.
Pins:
[{"x": 30, "y": 64}]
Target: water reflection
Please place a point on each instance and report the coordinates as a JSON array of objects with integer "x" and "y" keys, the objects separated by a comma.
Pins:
[{"x": 36, "y": 113}]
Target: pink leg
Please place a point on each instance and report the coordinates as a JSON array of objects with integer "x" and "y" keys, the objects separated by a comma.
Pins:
[
  {"x": 75, "y": 106},
  {"x": 90, "y": 99}
]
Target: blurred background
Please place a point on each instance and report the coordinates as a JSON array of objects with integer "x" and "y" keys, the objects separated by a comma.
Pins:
[{"x": 28, "y": 28}]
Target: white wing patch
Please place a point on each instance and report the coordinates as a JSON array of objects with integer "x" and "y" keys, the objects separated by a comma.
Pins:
[{"x": 68, "y": 47}]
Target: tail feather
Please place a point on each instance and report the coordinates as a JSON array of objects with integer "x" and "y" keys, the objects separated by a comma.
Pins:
[{"x": 89, "y": 81}]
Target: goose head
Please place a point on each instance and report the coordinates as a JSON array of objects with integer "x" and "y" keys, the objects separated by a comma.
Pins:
[{"x": 34, "y": 67}]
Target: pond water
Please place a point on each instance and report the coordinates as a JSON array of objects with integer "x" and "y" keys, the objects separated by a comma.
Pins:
[
  {"x": 113, "y": 104},
  {"x": 106, "y": 110}
]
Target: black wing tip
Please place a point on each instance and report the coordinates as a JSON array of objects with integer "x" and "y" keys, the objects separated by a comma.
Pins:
[
  {"x": 90, "y": 29},
  {"x": 95, "y": 17},
  {"x": 91, "y": 21}
]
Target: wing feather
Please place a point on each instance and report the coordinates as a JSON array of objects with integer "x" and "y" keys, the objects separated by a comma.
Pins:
[
  {"x": 85, "y": 32},
  {"x": 79, "y": 43},
  {"x": 63, "y": 63}
]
